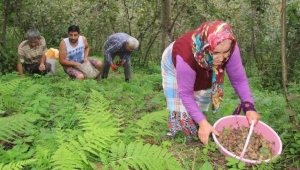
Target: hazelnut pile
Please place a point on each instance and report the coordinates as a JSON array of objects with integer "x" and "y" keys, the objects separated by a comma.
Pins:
[{"x": 233, "y": 139}]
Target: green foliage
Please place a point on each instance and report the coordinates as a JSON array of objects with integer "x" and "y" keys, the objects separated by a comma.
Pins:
[
  {"x": 16, "y": 125},
  {"x": 235, "y": 164},
  {"x": 16, "y": 165},
  {"x": 9, "y": 87},
  {"x": 96, "y": 114},
  {"x": 148, "y": 125},
  {"x": 207, "y": 166},
  {"x": 257, "y": 27},
  {"x": 8, "y": 59},
  {"x": 68, "y": 124},
  {"x": 8, "y": 101},
  {"x": 141, "y": 156},
  {"x": 64, "y": 158}
]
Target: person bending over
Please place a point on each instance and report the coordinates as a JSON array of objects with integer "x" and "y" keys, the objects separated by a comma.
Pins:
[
  {"x": 122, "y": 45},
  {"x": 193, "y": 69}
]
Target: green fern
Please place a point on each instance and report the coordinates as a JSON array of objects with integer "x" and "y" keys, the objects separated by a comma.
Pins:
[
  {"x": 96, "y": 114},
  {"x": 98, "y": 123},
  {"x": 97, "y": 141},
  {"x": 146, "y": 124},
  {"x": 16, "y": 165},
  {"x": 94, "y": 142},
  {"x": 14, "y": 125},
  {"x": 8, "y": 100},
  {"x": 9, "y": 87},
  {"x": 65, "y": 159},
  {"x": 121, "y": 121},
  {"x": 16, "y": 153},
  {"x": 139, "y": 156},
  {"x": 100, "y": 132},
  {"x": 43, "y": 153}
]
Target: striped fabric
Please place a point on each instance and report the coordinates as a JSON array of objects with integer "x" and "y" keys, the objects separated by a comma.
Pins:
[
  {"x": 31, "y": 55},
  {"x": 116, "y": 44},
  {"x": 169, "y": 82}
]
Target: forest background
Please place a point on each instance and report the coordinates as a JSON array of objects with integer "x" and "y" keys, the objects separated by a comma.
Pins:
[{"x": 267, "y": 33}]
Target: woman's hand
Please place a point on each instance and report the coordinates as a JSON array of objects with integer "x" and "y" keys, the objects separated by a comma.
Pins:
[
  {"x": 252, "y": 115},
  {"x": 204, "y": 131}
]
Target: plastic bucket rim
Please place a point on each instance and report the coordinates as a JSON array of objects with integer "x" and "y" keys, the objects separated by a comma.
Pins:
[{"x": 237, "y": 157}]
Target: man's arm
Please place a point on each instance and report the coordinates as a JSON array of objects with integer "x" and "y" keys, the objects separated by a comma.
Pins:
[
  {"x": 86, "y": 48},
  {"x": 21, "y": 55},
  {"x": 43, "y": 58},
  {"x": 42, "y": 63},
  {"x": 112, "y": 47},
  {"x": 63, "y": 55},
  {"x": 20, "y": 69},
  {"x": 126, "y": 57}
]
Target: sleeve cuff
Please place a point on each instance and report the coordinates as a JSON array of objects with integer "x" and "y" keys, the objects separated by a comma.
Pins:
[{"x": 246, "y": 106}]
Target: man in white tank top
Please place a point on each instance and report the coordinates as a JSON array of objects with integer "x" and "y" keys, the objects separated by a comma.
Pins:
[{"x": 74, "y": 51}]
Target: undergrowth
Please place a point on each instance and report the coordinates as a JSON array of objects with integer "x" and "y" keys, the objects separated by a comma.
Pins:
[{"x": 53, "y": 122}]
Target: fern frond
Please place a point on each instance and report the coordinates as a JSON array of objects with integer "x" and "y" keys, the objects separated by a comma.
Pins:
[
  {"x": 77, "y": 148},
  {"x": 119, "y": 116},
  {"x": 33, "y": 89},
  {"x": 14, "y": 125},
  {"x": 19, "y": 165},
  {"x": 60, "y": 136},
  {"x": 73, "y": 154},
  {"x": 65, "y": 159},
  {"x": 145, "y": 124},
  {"x": 42, "y": 155},
  {"x": 139, "y": 156},
  {"x": 97, "y": 141},
  {"x": 9, "y": 98},
  {"x": 9, "y": 87},
  {"x": 96, "y": 114},
  {"x": 147, "y": 120}
]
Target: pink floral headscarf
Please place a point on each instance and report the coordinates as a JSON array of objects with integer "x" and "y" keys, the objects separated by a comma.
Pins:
[{"x": 205, "y": 39}]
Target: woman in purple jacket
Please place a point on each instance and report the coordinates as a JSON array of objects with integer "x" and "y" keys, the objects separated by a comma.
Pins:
[{"x": 193, "y": 69}]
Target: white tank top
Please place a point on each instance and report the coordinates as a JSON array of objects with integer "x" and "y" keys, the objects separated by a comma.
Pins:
[{"x": 75, "y": 54}]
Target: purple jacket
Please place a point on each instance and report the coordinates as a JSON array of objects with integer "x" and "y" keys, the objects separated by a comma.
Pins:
[{"x": 186, "y": 81}]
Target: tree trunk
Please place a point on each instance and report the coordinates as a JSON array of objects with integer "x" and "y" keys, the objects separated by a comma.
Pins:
[
  {"x": 283, "y": 46},
  {"x": 4, "y": 24},
  {"x": 283, "y": 56},
  {"x": 166, "y": 23},
  {"x": 128, "y": 17}
]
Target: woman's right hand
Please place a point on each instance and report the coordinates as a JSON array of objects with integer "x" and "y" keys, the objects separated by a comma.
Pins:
[{"x": 204, "y": 131}]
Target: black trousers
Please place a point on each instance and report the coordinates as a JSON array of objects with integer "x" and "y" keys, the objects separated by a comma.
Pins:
[
  {"x": 106, "y": 68},
  {"x": 34, "y": 68}
]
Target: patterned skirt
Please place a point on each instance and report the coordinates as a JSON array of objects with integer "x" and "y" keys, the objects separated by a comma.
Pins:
[{"x": 179, "y": 119}]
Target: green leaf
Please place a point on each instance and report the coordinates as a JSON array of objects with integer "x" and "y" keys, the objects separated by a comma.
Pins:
[
  {"x": 264, "y": 151},
  {"x": 205, "y": 151},
  {"x": 207, "y": 166},
  {"x": 28, "y": 139},
  {"x": 231, "y": 161},
  {"x": 241, "y": 165}
]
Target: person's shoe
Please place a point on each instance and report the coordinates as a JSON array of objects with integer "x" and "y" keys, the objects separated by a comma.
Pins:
[{"x": 127, "y": 80}]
